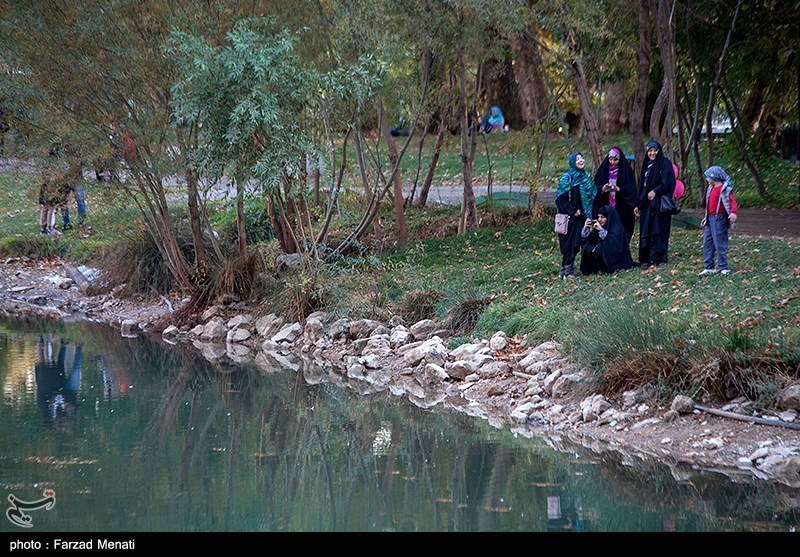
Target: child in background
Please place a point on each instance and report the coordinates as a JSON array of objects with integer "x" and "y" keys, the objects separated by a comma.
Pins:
[{"x": 720, "y": 215}]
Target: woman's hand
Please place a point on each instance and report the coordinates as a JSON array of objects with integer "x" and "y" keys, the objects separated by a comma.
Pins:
[
  {"x": 732, "y": 217},
  {"x": 651, "y": 195},
  {"x": 597, "y": 226},
  {"x": 636, "y": 211},
  {"x": 588, "y": 223}
]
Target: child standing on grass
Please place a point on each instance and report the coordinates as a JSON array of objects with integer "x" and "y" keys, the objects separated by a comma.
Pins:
[{"x": 720, "y": 215}]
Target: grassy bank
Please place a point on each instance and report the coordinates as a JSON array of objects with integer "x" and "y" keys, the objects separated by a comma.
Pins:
[{"x": 667, "y": 328}]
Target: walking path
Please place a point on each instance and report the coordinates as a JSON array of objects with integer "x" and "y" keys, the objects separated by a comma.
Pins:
[{"x": 772, "y": 223}]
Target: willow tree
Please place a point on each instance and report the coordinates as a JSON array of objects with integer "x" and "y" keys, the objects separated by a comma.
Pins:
[
  {"x": 258, "y": 102},
  {"x": 86, "y": 71}
]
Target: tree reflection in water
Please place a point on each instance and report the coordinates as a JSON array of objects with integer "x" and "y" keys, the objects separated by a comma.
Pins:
[{"x": 193, "y": 445}]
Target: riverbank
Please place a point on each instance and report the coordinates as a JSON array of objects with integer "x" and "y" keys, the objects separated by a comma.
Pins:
[{"x": 533, "y": 390}]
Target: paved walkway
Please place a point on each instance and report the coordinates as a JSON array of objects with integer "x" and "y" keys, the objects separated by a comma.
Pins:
[{"x": 773, "y": 223}]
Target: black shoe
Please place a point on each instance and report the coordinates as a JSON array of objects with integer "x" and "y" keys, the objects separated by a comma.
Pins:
[{"x": 67, "y": 226}]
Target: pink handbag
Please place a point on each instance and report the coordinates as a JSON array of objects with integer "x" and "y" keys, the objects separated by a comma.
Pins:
[{"x": 562, "y": 223}]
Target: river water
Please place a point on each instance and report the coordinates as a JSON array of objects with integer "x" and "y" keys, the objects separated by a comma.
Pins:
[{"x": 132, "y": 435}]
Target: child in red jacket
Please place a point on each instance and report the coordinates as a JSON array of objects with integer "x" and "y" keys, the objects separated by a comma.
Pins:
[{"x": 720, "y": 215}]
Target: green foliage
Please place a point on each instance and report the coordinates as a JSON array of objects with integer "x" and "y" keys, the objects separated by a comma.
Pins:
[
  {"x": 258, "y": 101},
  {"x": 34, "y": 246},
  {"x": 256, "y": 221}
]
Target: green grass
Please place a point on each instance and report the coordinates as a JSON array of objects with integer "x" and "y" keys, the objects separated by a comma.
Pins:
[
  {"x": 671, "y": 317},
  {"x": 110, "y": 216}
]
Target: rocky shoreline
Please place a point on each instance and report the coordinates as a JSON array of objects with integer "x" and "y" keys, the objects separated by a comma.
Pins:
[{"x": 535, "y": 391}]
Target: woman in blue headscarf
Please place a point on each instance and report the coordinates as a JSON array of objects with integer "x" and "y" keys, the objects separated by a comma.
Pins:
[
  {"x": 574, "y": 197},
  {"x": 656, "y": 179}
]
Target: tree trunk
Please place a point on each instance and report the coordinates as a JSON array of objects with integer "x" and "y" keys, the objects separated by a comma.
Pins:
[
  {"x": 712, "y": 94},
  {"x": 741, "y": 141},
  {"x": 534, "y": 99},
  {"x": 368, "y": 194},
  {"x": 642, "y": 72},
  {"x": 398, "y": 204},
  {"x": 582, "y": 86},
  {"x": 195, "y": 219},
  {"x": 661, "y": 124},
  {"x": 469, "y": 211},
  {"x": 155, "y": 211},
  {"x": 614, "y": 114},
  {"x": 657, "y": 115},
  {"x": 422, "y": 200},
  {"x": 241, "y": 233}
]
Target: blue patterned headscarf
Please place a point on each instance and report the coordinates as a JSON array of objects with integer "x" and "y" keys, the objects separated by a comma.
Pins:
[
  {"x": 718, "y": 175},
  {"x": 578, "y": 177}
]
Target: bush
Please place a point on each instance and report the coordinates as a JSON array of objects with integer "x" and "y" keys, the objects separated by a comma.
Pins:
[{"x": 420, "y": 304}]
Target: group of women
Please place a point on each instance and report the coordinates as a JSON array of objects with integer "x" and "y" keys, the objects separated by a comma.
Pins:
[{"x": 603, "y": 212}]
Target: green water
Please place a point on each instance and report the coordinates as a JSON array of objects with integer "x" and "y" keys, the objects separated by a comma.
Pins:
[{"x": 153, "y": 438}]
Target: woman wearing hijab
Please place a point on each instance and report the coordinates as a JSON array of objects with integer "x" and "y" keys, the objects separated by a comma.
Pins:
[
  {"x": 604, "y": 244},
  {"x": 656, "y": 179},
  {"x": 574, "y": 197},
  {"x": 616, "y": 186}
]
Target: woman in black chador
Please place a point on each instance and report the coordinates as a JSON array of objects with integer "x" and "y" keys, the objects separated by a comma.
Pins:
[
  {"x": 616, "y": 186},
  {"x": 656, "y": 179},
  {"x": 604, "y": 245}
]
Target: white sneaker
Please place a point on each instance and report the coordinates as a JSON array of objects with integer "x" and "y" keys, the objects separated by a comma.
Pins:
[
  {"x": 725, "y": 272},
  {"x": 705, "y": 272}
]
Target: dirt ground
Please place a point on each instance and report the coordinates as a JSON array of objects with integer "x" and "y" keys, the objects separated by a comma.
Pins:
[{"x": 699, "y": 440}]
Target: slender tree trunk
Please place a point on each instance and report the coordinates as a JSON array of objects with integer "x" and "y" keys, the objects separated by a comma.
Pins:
[
  {"x": 422, "y": 200},
  {"x": 712, "y": 94},
  {"x": 741, "y": 141},
  {"x": 195, "y": 218},
  {"x": 423, "y": 135},
  {"x": 156, "y": 211},
  {"x": 665, "y": 32},
  {"x": 368, "y": 194},
  {"x": 469, "y": 211},
  {"x": 658, "y": 112},
  {"x": 397, "y": 182},
  {"x": 642, "y": 73},
  {"x": 241, "y": 230},
  {"x": 582, "y": 86}
]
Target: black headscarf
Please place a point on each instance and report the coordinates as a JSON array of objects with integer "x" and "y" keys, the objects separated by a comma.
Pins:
[
  {"x": 615, "y": 251},
  {"x": 656, "y": 175},
  {"x": 626, "y": 181}
]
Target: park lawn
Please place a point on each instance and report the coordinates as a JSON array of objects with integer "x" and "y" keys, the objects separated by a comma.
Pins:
[{"x": 749, "y": 319}]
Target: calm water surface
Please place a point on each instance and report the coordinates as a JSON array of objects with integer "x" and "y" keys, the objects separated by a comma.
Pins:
[{"x": 136, "y": 436}]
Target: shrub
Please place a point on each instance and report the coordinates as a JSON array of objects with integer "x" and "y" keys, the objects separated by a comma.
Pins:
[
  {"x": 419, "y": 304},
  {"x": 462, "y": 319}
]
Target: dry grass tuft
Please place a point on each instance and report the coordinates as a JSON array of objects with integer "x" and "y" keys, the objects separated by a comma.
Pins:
[
  {"x": 420, "y": 304},
  {"x": 463, "y": 317}
]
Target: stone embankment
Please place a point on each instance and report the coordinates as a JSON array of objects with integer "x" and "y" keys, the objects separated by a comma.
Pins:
[{"x": 535, "y": 391}]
